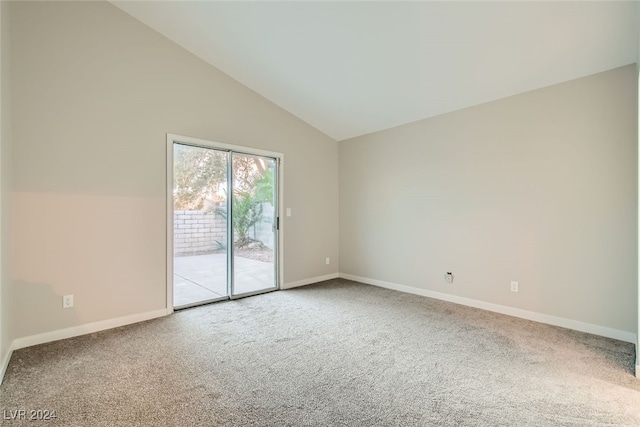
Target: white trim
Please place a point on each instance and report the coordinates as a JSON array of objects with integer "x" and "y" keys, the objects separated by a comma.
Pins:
[
  {"x": 281, "y": 225},
  {"x": 5, "y": 363},
  {"x": 222, "y": 146},
  {"x": 637, "y": 223},
  {"x": 87, "y": 328},
  {"x": 310, "y": 281},
  {"x": 169, "y": 225},
  {"x": 502, "y": 309}
]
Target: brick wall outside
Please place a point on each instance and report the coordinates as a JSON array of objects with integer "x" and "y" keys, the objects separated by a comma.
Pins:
[{"x": 196, "y": 232}]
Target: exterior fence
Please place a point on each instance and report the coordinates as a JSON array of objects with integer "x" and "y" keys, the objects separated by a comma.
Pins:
[{"x": 198, "y": 232}]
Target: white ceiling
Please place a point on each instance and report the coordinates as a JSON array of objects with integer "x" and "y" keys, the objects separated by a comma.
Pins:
[{"x": 352, "y": 68}]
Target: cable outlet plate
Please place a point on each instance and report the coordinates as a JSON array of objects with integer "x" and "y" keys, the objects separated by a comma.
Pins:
[
  {"x": 514, "y": 286},
  {"x": 67, "y": 301}
]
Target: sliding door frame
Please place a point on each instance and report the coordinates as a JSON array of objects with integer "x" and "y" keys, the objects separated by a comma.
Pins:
[{"x": 279, "y": 232}]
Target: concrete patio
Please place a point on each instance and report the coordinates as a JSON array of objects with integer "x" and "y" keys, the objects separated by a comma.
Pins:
[{"x": 204, "y": 277}]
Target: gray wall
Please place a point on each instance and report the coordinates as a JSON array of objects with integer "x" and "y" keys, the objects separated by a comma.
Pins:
[
  {"x": 538, "y": 188},
  {"x": 6, "y": 300},
  {"x": 94, "y": 94}
]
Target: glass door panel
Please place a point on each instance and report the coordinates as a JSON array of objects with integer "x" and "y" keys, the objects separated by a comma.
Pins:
[
  {"x": 254, "y": 216},
  {"x": 200, "y": 272}
]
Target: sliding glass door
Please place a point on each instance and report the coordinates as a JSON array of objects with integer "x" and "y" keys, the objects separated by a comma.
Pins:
[
  {"x": 254, "y": 223},
  {"x": 225, "y": 224}
]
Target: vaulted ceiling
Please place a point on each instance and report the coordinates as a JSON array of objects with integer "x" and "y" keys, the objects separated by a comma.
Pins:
[{"x": 352, "y": 68}]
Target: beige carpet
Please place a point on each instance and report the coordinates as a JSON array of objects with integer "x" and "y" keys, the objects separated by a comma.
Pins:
[{"x": 333, "y": 354}]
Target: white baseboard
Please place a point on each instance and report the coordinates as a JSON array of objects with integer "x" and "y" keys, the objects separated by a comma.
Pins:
[
  {"x": 135, "y": 318},
  {"x": 87, "y": 328},
  {"x": 5, "y": 363},
  {"x": 502, "y": 309},
  {"x": 309, "y": 281}
]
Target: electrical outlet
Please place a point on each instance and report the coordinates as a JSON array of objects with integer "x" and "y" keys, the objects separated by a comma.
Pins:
[
  {"x": 327, "y": 261},
  {"x": 514, "y": 286},
  {"x": 448, "y": 277},
  {"x": 288, "y": 211},
  {"x": 67, "y": 301}
]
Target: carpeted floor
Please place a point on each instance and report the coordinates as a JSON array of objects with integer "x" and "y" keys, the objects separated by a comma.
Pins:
[{"x": 333, "y": 354}]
